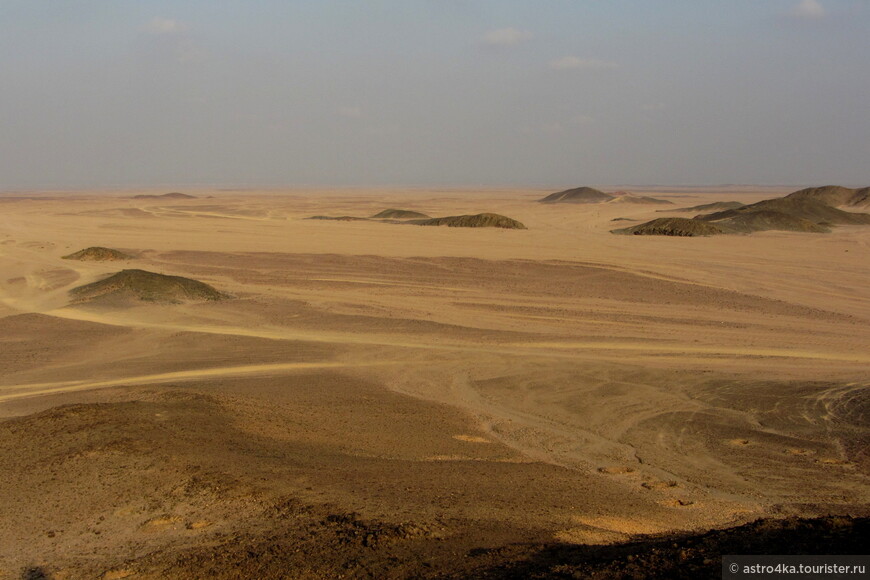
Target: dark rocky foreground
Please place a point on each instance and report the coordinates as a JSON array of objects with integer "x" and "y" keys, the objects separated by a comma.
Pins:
[
  {"x": 689, "y": 556},
  {"x": 341, "y": 545}
]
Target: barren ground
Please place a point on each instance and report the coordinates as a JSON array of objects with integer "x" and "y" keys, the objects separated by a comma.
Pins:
[{"x": 389, "y": 400}]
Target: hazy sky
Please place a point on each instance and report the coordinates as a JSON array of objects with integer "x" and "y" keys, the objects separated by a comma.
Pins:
[{"x": 441, "y": 92}]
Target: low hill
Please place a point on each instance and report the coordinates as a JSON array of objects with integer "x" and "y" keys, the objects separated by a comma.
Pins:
[
  {"x": 639, "y": 199},
  {"x": 790, "y": 214},
  {"x": 683, "y": 227},
  {"x": 98, "y": 254},
  {"x": 806, "y": 208},
  {"x": 171, "y": 195},
  {"x": 709, "y": 207},
  {"x": 765, "y": 220},
  {"x": 144, "y": 286},
  {"x": 399, "y": 214},
  {"x": 577, "y": 195},
  {"x": 834, "y": 195},
  {"x": 338, "y": 218},
  {"x": 481, "y": 220}
]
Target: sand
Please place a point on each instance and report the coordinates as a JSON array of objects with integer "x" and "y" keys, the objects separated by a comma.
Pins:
[{"x": 388, "y": 396}]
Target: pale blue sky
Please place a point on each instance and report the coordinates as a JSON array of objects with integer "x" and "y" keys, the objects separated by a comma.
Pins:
[{"x": 434, "y": 92}]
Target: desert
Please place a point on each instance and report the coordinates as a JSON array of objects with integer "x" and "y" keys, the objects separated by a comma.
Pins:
[
  {"x": 211, "y": 384},
  {"x": 434, "y": 289}
]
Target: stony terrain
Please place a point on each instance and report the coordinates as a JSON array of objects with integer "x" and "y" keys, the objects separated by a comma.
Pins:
[{"x": 379, "y": 401}]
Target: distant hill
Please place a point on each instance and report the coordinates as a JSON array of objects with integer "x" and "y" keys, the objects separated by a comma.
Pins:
[
  {"x": 683, "y": 227},
  {"x": 171, "y": 195},
  {"x": 592, "y": 195},
  {"x": 709, "y": 207},
  {"x": 764, "y": 220},
  {"x": 140, "y": 285},
  {"x": 399, "y": 214},
  {"x": 98, "y": 254},
  {"x": 807, "y": 208},
  {"x": 834, "y": 195},
  {"x": 338, "y": 218},
  {"x": 481, "y": 220},
  {"x": 639, "y": 199},
  {"x": 577, "y": 195}
]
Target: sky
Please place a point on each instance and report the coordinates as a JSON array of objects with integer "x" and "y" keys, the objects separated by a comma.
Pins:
[{"x": 115, "y": 93}]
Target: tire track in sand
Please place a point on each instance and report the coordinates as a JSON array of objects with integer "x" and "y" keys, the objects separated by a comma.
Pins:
[
  {"x": 543, "y": 348},
  {"x": 11, "y": 392}
]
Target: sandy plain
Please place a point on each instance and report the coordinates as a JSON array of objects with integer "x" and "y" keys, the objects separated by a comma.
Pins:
[{"x": 394, "y": 400}]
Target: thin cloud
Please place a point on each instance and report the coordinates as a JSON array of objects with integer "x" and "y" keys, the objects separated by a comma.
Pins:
[
  {"x": 808, "y": 10},
  {"x": 165, "y": 26},
  {"x": 506, "y": 37},
  {"x": 171, "y": 39},
  {"x": 577, "y": 63}
]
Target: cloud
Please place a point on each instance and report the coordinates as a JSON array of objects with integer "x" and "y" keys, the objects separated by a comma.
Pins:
[
  {"x": 165, "y": 26},
  {"x": 808, "y": 9},
  {"x": 652, "y": 106},
  {"x": 573, "y": 62},
  {"x": 171, "y": 39},
  {"x": 506, "y": 37},
  {"x": 350, "y": 112}
]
